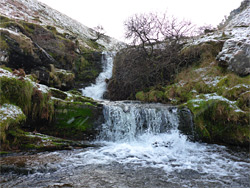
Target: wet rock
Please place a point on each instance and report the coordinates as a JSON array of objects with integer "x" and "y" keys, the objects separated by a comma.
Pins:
[
  {"x": 78, "y": 121},
  {"x": 186, "y": 125}
]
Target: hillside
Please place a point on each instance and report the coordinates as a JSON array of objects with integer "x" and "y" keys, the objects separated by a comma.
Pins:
[
  {"x": 39, "y": 13},
  {"x": 43, "y": 54},
  {"x": 56, "y": 49}
]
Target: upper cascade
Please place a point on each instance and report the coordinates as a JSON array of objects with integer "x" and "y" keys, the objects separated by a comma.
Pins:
[{"x": 97, "y": 90}]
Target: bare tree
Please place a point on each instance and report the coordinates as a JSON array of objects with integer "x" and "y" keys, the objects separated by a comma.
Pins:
[
  {"x": 99, "y": 31},
  {"x": 146, "y": 31}
]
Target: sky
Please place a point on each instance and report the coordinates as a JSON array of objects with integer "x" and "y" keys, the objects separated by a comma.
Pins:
[{"x": 111, "y": 14}]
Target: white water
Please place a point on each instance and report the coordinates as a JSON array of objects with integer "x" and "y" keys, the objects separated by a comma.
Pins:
[
  {"x": 97, "y": 89},
  {"x": 147, "y": 135}
]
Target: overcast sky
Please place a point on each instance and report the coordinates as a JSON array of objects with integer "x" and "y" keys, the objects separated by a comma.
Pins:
[{"x": 111, "y": 14}]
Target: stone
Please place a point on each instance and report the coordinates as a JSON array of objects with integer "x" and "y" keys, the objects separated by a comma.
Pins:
[
  {"x": 186, "y": 124},
  {"x": 235, "y": 55}
]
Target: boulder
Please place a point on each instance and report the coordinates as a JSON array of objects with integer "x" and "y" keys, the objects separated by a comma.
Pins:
[{"x": 235, "y": 55}]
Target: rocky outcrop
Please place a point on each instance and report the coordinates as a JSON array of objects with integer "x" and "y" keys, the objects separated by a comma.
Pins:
[
  {"x": 235, "y": 54},
  {"x": 36, "y": 38},
  {"x": 28, "y": 106},
  {"x": 52, "y": 57}
]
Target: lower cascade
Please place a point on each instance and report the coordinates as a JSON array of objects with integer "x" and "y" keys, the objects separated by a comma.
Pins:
[{"x": 125, "y": 121}]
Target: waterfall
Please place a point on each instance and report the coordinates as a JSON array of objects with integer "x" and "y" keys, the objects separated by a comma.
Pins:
[
  {"x": 139, "y": 145},
  {"x": 125, "y": 121},
  {"x": 97, "y": 89}
]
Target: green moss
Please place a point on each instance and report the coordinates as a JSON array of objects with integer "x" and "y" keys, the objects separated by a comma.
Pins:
[
  {"x": 231, "y": 80},
  {"x": 58, "y": 94},
  {"x": 22, "y": 93},
  {"x": 42, "y": 106},
  {"x": 24, "y": 43},
  {"x": 4, "y": 19},
  {"x": 86, "y": 100},
  {"x": 4, "y": 153},
  {"x": 86, "y": 71},
  {"x": 235, "y": 92},
  {"x": 29, "y": 146},
  {"x": 3, "y": 43},
  {"x": 16, "y": 91},
  {"x": 6, "y": 68},
  {"x": 155, "y": 96},
  {"x": 75, "y": 92},
  {"x": 219, "y": 121},
  {"x": 244, "y": 101},
  {"x": 141, "y": 96},
  {"x": 10, "y": 118},
  {"x": 73, "y": 119},
  {"x": 94, "y": 45},
  {"x": 202, "y": 87},
  {"x": 60, "y": 78},
  {"x": 55, "y": 32},
  {"x": 29, "y": 27}
]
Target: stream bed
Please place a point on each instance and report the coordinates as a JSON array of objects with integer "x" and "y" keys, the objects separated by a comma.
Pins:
[{"x": 139, "y": 146}]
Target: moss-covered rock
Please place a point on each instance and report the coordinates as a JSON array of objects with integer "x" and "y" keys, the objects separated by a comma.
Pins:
[
  {"x": 151, "y": 96},
  {"x": 141, "y": 96},
  {"x": 220, "y": 121},
  {"x": 16, "y": 91},
  {"x": 11, "y": 117},
  {"x": 61, "y": 78},
  {"x": 58, "y": 93},
  {"x": 44, "y": 109},
  {"x": 77, "y": 120}
]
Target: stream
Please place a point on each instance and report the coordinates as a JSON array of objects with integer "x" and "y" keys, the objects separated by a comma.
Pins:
[{"x": 139, "y": 146}]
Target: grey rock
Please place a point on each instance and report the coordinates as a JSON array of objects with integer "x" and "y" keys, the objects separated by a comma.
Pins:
[
  {"x": 186, "y": 125},
  {"x": 235, "y": 55}
]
